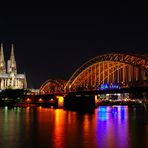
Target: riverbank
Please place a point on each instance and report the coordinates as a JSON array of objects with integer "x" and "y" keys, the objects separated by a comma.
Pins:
[{"x": 130, "y": 103}]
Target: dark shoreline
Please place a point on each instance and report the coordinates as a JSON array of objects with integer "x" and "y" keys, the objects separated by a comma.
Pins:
[{"x": 103, "y": 103}]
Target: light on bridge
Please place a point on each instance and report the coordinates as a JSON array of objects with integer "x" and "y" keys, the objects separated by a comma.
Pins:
[
  {"x": 28, "y": 100},
  {"x": 51, "y": 100},
  {"x": 60, "y": 101},
  {"x": 40, "y": 100},
  {"x": 109, "y": 86}
]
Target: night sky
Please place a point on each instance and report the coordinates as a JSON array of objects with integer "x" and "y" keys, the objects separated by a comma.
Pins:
[{"x": 54, "y": 42}]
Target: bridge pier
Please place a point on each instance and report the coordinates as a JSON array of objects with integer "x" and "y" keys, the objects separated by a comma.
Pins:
[
  {"x": 80, "y": 102},
  {"x": 96, "y": 100},
  {"x": 60, "y": 101}
]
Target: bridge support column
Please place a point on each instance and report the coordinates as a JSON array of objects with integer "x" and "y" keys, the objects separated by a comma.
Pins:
[
  {"x": 80, "y": 102},
  {"x": 96, "y": 100},
  {"x": 60, "y": 101}
]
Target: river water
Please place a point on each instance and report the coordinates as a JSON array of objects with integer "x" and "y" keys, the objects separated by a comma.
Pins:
[{"x": 105, "y": 127}]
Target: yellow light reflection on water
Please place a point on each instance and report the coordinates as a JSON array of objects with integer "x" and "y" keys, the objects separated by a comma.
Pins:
[
  {"x": 28, "y": 109},
  {"x": 59, "y": 127}
]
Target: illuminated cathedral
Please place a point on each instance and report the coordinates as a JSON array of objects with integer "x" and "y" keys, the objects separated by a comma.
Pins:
[{"x": 9, "y": 79}]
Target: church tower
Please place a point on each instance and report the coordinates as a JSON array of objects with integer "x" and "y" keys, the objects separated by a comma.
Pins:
[
  {"x": 2, "y": 61},
  {"x": 11, "y": 65}
]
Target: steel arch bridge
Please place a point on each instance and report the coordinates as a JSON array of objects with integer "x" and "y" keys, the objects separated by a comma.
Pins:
[
  {"x": 125, "y": 70},
  {"x": 52, "y": 86}
]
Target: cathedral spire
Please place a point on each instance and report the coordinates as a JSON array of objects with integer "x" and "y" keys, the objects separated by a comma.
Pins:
[
  {"x": 2, "y": 61},
  {"x": 12, "y": 57},
  {"x": 2, "y": 53},
  {"x": 11, "y": 67}
]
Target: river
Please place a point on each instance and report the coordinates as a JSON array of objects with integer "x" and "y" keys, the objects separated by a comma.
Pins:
[{"x": 105, "y": 127}]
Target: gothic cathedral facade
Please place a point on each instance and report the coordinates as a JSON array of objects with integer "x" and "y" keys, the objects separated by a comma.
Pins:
[{"x": 9, "y": 79}]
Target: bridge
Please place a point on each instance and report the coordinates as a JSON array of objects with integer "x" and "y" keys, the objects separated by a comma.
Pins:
[{"x": 107, "y": 73}]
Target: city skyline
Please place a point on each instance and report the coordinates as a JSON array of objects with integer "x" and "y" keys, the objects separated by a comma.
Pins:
[{"x": 52, "y": 45}]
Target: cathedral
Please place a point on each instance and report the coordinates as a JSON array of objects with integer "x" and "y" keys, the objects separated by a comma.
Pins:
[{"x": 9, "y": 79}]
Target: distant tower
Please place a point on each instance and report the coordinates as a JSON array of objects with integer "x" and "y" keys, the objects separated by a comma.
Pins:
[
  {"x": 11, "y": 65},
  {"x": 2, "y": 61}
]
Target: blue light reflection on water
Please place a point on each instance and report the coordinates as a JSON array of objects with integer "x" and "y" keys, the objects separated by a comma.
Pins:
[{"x": 112, "y": 126}]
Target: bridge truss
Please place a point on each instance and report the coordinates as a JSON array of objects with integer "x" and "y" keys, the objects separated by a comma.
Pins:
[
  {"x": 52, "y": 86},
  {"x": 126, "y": 70}
]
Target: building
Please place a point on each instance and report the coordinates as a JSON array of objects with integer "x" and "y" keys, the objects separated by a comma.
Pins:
[{"x": 8, "y": 73}]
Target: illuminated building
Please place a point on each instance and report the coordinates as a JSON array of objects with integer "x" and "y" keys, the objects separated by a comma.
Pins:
[{"x": 8, "y": 75}]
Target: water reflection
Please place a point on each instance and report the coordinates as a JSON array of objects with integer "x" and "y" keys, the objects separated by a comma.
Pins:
[
  {"x": 59, "y": 125},
  {"x": 106, "y": 127},
  {"x": 112, "y": 126}
]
